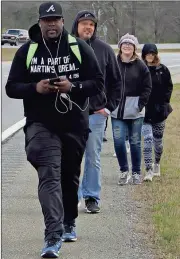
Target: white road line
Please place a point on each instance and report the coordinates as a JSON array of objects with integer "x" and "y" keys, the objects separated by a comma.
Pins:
[
  {"x": 174, "y": 66},
  {"x": 13, "y": 129}
]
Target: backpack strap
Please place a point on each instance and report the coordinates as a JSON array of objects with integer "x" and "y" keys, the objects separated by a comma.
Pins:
[
  {"x": 74, "y": 47},
  {"x": 31, "y": 51}
]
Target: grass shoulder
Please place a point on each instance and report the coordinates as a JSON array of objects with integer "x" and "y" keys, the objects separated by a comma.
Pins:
[
  {"x": 163, "y": 194},
  {"x": 7, "y": 54}
]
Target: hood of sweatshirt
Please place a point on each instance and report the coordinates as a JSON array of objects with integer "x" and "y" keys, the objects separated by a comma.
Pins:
[
  {"x": 78, "y": 17},
  {"x": 149, "y": 48},
  {"x": 35, "y": 34}
]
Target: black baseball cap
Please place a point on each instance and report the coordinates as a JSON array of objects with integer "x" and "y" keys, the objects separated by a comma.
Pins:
[
  {"x": 87, "y": 16},
  {"x": 50, "y": 9}
]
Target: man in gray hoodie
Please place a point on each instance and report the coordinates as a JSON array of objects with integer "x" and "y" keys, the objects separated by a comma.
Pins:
[{"x": 101, "y": 105}]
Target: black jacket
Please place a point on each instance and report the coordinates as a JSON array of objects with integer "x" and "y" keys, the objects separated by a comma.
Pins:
[
  {"x": 136, "y": 89},
  {"x": 86, "y": 77},
  {"x": 107, "y": 60},
  {"x": 158, "y": 107}
]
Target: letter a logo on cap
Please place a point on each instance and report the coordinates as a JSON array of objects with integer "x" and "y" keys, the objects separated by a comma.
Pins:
[{"x": 51, "y": 8}]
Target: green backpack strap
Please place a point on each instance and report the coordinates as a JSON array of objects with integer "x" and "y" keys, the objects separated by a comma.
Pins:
[
  {"x": 31, "y": 52},
  {"x": 74, "y": 47}
]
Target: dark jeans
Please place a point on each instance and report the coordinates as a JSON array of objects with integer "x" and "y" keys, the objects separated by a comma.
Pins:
[
  {"x": 57, "y": 159},
  {"x": 120, "y": 129}
]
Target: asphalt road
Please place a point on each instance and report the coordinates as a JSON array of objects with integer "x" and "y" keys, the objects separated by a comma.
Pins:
[
  {"x": 8, "y": 46},
  {"x": 12, "y": 110}
]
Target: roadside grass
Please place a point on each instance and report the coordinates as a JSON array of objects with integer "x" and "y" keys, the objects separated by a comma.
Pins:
[
  {"x": 7, "y": 54},
  {"x": 163, "y": 194}
]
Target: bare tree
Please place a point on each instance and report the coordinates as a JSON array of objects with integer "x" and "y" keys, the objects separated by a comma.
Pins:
[
  {"x": 113, "y": 17},
  {"x": 150, "y": 21},
  {"x": 176, "y": 25},
  {"x": 133, "y": 21},
  {"x": 158, "y": 13},
  {"x": 132, "y": 15}
]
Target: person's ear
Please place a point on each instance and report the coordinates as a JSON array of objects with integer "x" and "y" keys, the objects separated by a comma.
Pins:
[{"x": 39, "y": 23}]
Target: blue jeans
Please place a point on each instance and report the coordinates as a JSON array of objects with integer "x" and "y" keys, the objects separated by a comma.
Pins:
[
  {"x": 120, "y": 128},
  {"x": 91, "y": 182}
]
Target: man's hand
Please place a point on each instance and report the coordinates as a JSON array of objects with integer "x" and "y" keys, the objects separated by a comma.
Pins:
[
  {"x": 63, "y": 86},
  {"x": 102, "y": 112},
  {"x": 43, "y": 87}
]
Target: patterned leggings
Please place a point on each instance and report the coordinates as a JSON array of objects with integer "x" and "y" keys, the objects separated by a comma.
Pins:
[{"x": 153, "y": 134}]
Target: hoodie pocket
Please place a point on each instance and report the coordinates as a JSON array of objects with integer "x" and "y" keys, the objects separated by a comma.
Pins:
[
  {"x": 131, "y": 108},
  {"x": 114, "y": 113}
]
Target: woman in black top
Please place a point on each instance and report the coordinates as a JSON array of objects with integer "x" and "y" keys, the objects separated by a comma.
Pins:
[
  {"x": 129, "y": 115},
  {"x": 157, "y": 110}
]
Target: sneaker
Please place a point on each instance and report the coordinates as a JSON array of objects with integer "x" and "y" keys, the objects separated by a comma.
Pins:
[
  {"x": 156, "y": 170},
  {"x": 104, "y": 138},
  {"x": 69, "y": 234},
  {"x": 92, "y": 205},
  {"x": 124, "y": 178},
  {"x": 148, "y": 175},
  {"x": 136, "y": 178},
  {"x": 127, "y": 146},
  {"x": 114, "y": 155},
  {"x": 51, "y": 248}
]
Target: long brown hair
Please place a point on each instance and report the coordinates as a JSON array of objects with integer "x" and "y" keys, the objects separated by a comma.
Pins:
[{"x": 156, "y": 62}]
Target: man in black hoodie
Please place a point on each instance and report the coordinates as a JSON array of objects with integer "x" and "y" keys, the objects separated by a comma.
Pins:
[
  {"x": 57, "y": 124},
  {"x": 101, "y": 106}
]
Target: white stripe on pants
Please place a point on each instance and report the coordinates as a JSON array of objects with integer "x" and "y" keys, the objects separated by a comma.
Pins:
[{"x": 153, "y": 136}]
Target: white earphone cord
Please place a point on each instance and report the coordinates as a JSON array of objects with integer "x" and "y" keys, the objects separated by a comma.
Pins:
[{"x": 59, "y": 94}]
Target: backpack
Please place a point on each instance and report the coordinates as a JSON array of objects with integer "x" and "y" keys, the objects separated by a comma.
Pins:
[{"x": 72, "y": 43}]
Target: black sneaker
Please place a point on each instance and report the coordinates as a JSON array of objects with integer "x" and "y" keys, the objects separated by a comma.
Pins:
[
  {"x": 69, "y": 234},
  {"x": 105, "y": 138},
  {"x": 51, "y": 248},
  {"x": 92, "y": 205}
]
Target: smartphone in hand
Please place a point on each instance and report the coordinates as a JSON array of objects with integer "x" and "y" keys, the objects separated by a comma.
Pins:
[{"x": 52, "y": 81}]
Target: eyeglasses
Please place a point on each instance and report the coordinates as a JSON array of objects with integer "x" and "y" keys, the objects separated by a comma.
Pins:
[{"x": 127, "y": 44}]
